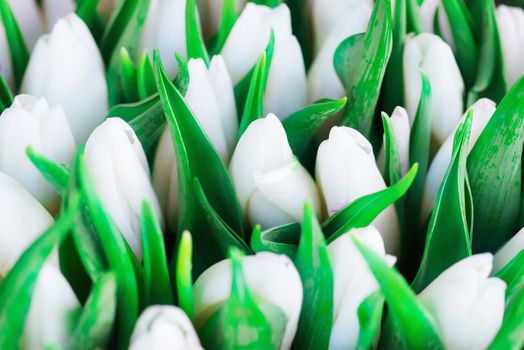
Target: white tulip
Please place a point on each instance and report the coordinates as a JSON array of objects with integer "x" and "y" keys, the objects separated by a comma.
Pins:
[
  {"x": 28, "y": 18},
  {"x": 483, "y": 109},
  {"x": 246, "y": 42},
  {"x": 271, "y": 278},
  {"x": 118, "y": 166},
  {"x": 399, "y": 121},
  {"x": 508, "y": 251},
  {"x": 346, "y": 170},
  {"x": 271, "y": 185},
  {"x": 66, "y": 68},
  {"x": 211, "y": 13},
  {"x": 510, "y": 22},
  {"x": 22, "y": 220},
  {"x": 353, "y": 282},
  {"x": 165, "y": 30},
  {"x": 434, "y": 56},
  {"x": 164, "y": 327},
  {"x": 49, "y": 316},
  {"x": 427, "y": 12},
  {"x": 211, "y": 97},
  {"x": 467, "y": 305},
  {"x": 31, "y": 122},
  {"x": 323, "y": 81},
  {"x": 56, "y": 9}
]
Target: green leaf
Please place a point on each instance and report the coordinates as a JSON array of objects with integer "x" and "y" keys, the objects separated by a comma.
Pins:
[
  {"x": 56, "y": 174},
  {"x": 254, "y": 108},
  {"x": 370, "y": 319},
  {"x": 362, "y": 211},
  {"x": 490, "y": 80},
  {"x": 87, "y": 12},
  {"x": 510, "y": 335},
  {"x": 194, "y": 41},
  {"x": 116, "y": 252},
  {"x": 414, "y": 21},
  {"x": 411, "y": 325},
  {"x": 17, "y": 288},
  {"x": 495, "y": 172},
  {"x": 145, "y": 76},
  {"x": 419, "y": 152},
  {"x": 18, "y": 52},
  {"x": 513, "y": 273},
  {"x": 156, "y": 274},
  {"x": 314, "y": 267},
  {"x": 182, "y": 78},
  {"x": 128, "y": 76},
  {"x": 196, "y": 158},
  {"x": 280, "y": 240},
  {"x": 465, "y": 47},
  {"x": 96, "y": 321},
  {"x": 124, "y": 30},
  {"x": 184, "y": 279},
  {"x": 360, "y": 62},
  {"x": 6, "y": 97},
  {"x": 302, "y": 125},
  {"x": 302, "y": 28},
  {"x": 448, "y": 238},
  {"x": 268, "y": 3},
  {"x": 240, "y": 322},
  {"x": 227, "y": 21}
]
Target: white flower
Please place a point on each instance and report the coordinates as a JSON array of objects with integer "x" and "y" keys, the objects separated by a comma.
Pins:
[
  {"x": 483, "y": 109},
  {"x": 510, "y": 22},
  {"x": 399, "y": 121},
  {"x": 28, "y": 18},
  {"x": 271, "y": 185},
  {"x": 270, "y": 277},
  {"x": 434, "y": 56},
  {"x": 31, "y": 122},
  {"x": 467, "y": 305},
  {"x": 165, "y": 30},
  {"x": 323, "y": 81},
  {"x": 427, "y": 11},
  {"x": 164, "y": 327},
  {"x": 353, "y": 282},
  {"x": 211, "y": 97},
  {"x": 22, "y": 220},
  {"x": 56, "y": 9},
  {"x": 211, "y": 13},
  {"x": 508, "y": 251},
  {"x": 66, "y": 68},
  {"x": 118, "y": 166},
  {"x": 49, "y": 317},
  {"x": 246, "y": 42},
  {"x": 346, "y": 170}
]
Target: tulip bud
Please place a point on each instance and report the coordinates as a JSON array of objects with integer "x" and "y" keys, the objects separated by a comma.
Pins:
[
  {"x": 49, "y": 317},
  {"x": 353, "y": 282},
  {"x": 66, "y": 68},
  {"x": 428, "y": 11},
  {"x": 211, "y": 13},
  {"x": 164, "y": 327},
  {"x": 483, "y": 109},
  {"x": 246, "y": 42},
  {"x": 346, "y": 170},
  {"x": 165, "y": 30},
  {"x": 431, "y": 54},
  {"x": 31, "y": 122},
  {"x": 118, "y": 166},
  {"x": 508, "y": 251},
  {"x": 399, "y": 121},
  {"x": 466, "y": 304},
  {"x": 28, "y": 19},
  {"x": 271, "y": 185},
  {"x": 22, "y": 220},
  {"x": 510, "y": 22},
  {"x": 211, "y": 97},
  {"x": 56, "y": 9},
  {"x": 322, "y": 80},
  {"x": 271, "y": 278}
]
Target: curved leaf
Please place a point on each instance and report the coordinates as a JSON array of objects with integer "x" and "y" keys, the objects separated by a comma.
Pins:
[
  {"x": 194, "y": 41},
  {"x": 370, "y": 319},
  {"x": 6, "y": 97},
  {"x": 56, "y": 174},
  {"x": 128, "y": 76},
  {"x": 145, "y": 76},
  {"x": 280, "y": 240},
  {"x": 184, "y": 279},
  {"x": 227, "y": 21}
]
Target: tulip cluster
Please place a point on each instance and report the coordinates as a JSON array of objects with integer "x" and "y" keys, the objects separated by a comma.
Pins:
[{"x": 261, "y": 174}]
